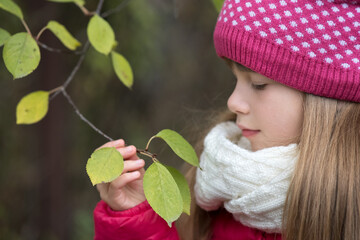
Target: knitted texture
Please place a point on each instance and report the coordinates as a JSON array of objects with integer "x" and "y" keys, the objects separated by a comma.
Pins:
[
  {"x": 310, "y": 45},
  {"x": 250, "y": 185}
]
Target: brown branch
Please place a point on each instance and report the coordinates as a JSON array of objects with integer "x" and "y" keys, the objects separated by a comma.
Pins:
[
  {"x": 75, "y": 69},
  {"x": 63, "y": 87},
  {"x": 66, "y": 95},
  {"x": 148, "y": 154}
]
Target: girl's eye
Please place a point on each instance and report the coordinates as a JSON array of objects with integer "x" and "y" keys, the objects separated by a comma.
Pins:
[{"x": 258, "y": 86}]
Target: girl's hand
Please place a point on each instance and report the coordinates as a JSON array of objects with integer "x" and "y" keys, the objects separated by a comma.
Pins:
[{"x": 127, "y": 190}]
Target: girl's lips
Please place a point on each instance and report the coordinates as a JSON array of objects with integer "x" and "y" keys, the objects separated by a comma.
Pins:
[{"x": 249, "y": 133}]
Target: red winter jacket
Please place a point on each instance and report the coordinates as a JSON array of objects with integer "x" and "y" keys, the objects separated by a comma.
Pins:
[{"x": 142, "y": 223}]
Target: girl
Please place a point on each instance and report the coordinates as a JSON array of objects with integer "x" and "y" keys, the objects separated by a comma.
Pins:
[{"x": 284, "y": 162}]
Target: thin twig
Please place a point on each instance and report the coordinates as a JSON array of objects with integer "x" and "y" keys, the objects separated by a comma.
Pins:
[
  {"x": 56, "y": 89},
  {"x": 99, "y": 6},
  {"x": 82, "y": 117},
  {"x": 62, "y": 88},
  {"x": 122, "y": 5},
  {"x": 145, "y": 153},
  {"x": 75, "y": 70},
  {"x": 148, "y": 154},
  {"x": 50, "y": 49}
]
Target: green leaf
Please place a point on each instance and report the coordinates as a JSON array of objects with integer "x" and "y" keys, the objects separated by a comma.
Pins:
[
  {"x": 218, "y": 4},
  {"x": 183, "y": 187},
  {"x": 104, "y": 165},
  {"x": 63, "y": 34},
  {"x": 79, "y": 2},
  {"x": 4, "y": 36},
  {"x": 179, "y": 145},
  {"x": 162, "y": 192},
  {"x": 32, "y": 108},
  {"x": 21, "y": 54},
  {"x": 122, "y": 69},
  {"x": 101, "y": 35},
  {"x": 10, "y": 6}
]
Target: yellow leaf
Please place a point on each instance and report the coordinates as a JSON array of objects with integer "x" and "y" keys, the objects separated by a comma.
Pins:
[
  {"x": 122, "y": 69},
  {"x": 104, "y": 165},
  {"x": 101, "y": 35},
  {"x": 32, "y": 108},
  {"x": 63, "y": 35}
]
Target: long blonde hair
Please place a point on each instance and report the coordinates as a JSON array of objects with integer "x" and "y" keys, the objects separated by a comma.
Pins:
[{"x": 323, "y": 200}]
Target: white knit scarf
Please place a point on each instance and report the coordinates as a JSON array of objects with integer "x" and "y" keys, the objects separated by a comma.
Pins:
[{"x": 250, "y": 185}]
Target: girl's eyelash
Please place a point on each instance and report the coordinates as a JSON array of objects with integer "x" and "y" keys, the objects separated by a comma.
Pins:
[{"x": 258, "y": 86}]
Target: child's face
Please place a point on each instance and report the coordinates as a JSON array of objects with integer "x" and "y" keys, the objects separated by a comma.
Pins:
[{"x": 269, "y": 113}]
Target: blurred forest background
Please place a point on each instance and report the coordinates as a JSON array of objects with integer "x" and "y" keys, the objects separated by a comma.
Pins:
[{"x": 179, "y": 83}]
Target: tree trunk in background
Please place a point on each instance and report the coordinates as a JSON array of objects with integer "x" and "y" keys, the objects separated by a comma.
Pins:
[
  {"x": 52, "y": 187},
  {"x": 53, "y": 212}
]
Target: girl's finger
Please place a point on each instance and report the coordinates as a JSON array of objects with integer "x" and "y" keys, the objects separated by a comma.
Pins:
[
  {"x": 116, "y": 144},
  {"x": 102, "y": 189},
  {"x": 124, "y": 179},
  {"x": 133, "y": 165},
  {"x": 127, "y": 151}
]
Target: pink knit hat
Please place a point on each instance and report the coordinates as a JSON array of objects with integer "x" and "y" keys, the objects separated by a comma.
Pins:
[{"x": 310, "y": 45}]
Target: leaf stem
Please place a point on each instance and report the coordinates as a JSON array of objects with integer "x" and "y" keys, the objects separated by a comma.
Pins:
[
  {"x": 26, "y": 27},
  {"x": 147, "y": 145},
  {"x": 148, "y": 154},
  {"x": 85, "y": 11},
  {"x": 41, "y": 31}
]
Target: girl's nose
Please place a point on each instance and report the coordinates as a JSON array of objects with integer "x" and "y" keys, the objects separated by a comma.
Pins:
[{"x": 237, "y": 103}]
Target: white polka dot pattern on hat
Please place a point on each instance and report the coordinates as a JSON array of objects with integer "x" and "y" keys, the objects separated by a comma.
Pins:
[{"x": 318, "y": 29}]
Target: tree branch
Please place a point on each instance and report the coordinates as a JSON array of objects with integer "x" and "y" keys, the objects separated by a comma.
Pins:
[
  {"x": 66, "y": 95},
  {"x": 63, "y": 87},
  {"x": 50, "y": 49},
  {"x": 75, "y": 69},
  {"x": 99, "y": 6},
  {"x": 122, "y": 5}
]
